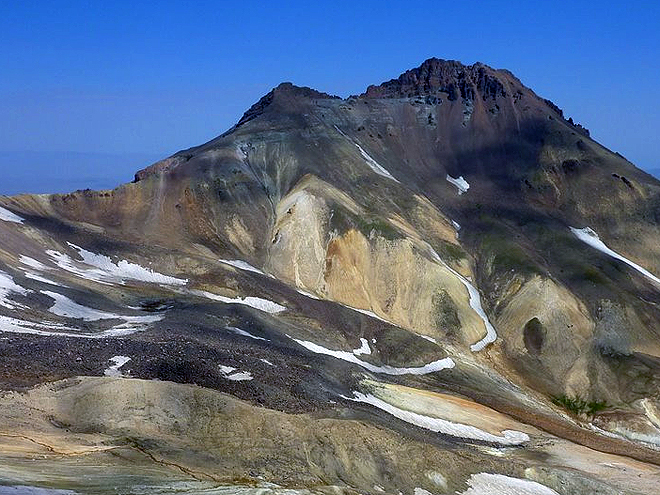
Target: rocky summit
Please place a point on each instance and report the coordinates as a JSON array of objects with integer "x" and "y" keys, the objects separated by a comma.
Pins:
[{"x": 439, "y": 286}]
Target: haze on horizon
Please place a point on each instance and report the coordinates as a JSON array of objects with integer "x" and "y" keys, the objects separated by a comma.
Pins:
[{"x": 92, "y": 93}]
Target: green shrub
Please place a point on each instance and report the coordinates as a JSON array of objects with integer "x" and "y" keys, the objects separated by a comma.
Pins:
[{"x": 579, "y": 406}]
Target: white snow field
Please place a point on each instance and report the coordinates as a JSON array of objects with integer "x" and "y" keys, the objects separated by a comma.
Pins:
[
  {"x": 590, "y": 237},
  {"x": 254, "y": 302},
  {"x": 117, "y": 362},
  {"x": 364, "y": 347},
  {"x": 8, "y": 216},
  {"x": 373, "y": 164},
  {"x": 243, "y": 265},
  {"x": 69, "y": 309},
  {"x": 101, "y": 268},
  {"x": 508, "y": 437},
  {"x": 460, "y": 183},
  {"x": 52, "y": 329},
  {"x": 39, "y": 267},
  {"x": 350, "y": 357},
  {"x": 7, "y": 287},
  {"x": 491, "y": 484},
  {"x": 234, "y": 374},
  {"x": 244, "y": 333}
]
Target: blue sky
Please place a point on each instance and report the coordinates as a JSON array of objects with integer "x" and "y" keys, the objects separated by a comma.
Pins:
[{"x": 96, "y": 90}]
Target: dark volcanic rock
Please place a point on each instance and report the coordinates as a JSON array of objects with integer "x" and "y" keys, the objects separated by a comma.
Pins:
[
  {"x": 283, "y": 93},
  {"x": 451, "y": 77}
]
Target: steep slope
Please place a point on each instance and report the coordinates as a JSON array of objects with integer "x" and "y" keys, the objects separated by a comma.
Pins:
[{"x": 429, "y": 233}]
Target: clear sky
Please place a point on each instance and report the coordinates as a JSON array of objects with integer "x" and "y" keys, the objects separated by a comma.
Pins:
[{"x": 92, "y": 91}]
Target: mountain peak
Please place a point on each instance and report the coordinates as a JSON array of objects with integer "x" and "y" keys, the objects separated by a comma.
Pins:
[
  {"x": 451, "y": 77},
  {"x": 283, "y": 92}
]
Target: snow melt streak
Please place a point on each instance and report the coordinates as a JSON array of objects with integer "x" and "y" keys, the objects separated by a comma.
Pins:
[
  {"x": 69, "y": 309},
  {"x": 101, "y": 268},
  {"x": 8, "y": 286},
  {"x": 475, "y": 304},
  {"x": 509, "y": 437},
  {"x": 50, "y": 329},
  {"x": 242, "y": 265},
  {"x": 589, "y": 236},
  {"x": 373, "y": 164},
  {"x": 254, "y": 302},
  {"x": 243, "y": 333},
  {"x": 489, "y": 484},
  {"x": 439, "y": 365}
]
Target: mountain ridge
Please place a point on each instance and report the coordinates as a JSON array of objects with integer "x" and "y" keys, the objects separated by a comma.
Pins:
[
  {"x": 432, "y": 78},
  {"x": 441, "y": 239}
]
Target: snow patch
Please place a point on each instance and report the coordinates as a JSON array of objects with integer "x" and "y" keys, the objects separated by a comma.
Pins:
[
  {"x": 460, "y": 183},
  {"x": 370, "y": 314},
  {"x": 307, "y": 294},
  {"x": 51, "y": 329},
  {"x": 254, "y": 302},
  {"x": 242, "y": 265},
  {"x": 8, "y": 216},
  {"x": 590, "y": 237},
  {"x": 475, "y": 304},
  {"x": 266, "y": 361},
  {"x": 67, "y": 308},
  {"x": 32, "y": 263},
  {"x": 39, "y": 266},
  {"x": 373, "y": 164},
  {"x": 488, "y": 484},
  {"x": 7, "y": 287},
  {"x": 39, "y": 278},
  {"x": 117, "y": 362},
  {"x": 101, "y": 268},
  {"x": 239, "y": 331},
  {"x": 231, "y": 373},
  {"x": 432, "y": 367},
  {"x": 508, "y": 437},
  {"x": 364, "y": 348},
  {"x": 438, "y": 479},
  {"x": 421, "y": 491},
  {"x": 456, "y": 225}
]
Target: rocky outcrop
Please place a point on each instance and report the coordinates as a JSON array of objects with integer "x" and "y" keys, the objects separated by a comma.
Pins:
[{"x": 436, "y": 76}]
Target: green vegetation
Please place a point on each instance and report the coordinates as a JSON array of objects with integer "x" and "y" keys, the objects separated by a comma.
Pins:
[
  {"x": 578, "y": 406},
  {"x": 594, "y": 276},
  {"x": 446, "y": 313},
  {"x": 343, "y": 220},
  {"x": 451, "y": 252},
  {"x": 383, "y": 227},
  {"x": 506, "y": 255}
]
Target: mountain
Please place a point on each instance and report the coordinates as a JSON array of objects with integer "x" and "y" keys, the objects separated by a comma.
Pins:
[
  {"x": 441, "y": 285},
  {"x": 655, "y": 172}
]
